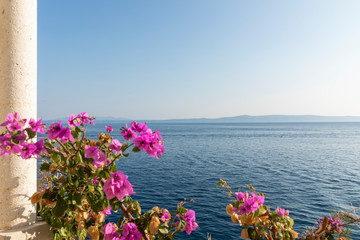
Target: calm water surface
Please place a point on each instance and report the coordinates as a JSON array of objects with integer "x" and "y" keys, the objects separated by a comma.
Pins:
[{"x": 308, "y": 168}]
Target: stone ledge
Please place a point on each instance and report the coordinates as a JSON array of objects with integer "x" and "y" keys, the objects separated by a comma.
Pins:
[{"x": 37, "y": 231}]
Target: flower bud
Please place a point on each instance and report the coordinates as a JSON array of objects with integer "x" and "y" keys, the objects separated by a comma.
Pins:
[{"x": 154, "y": 225}]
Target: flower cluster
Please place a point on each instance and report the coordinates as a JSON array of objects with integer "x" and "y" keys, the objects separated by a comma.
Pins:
[
  {"x": 16, "y": 138},
  {"x": 282, "y": 212},
  {"x": 189, "y": 217},
  {"x": 118, "y": 186},
  {"x": 248, "y": 202},
  {"x": 144, "y": 138},
  {"x": 82, "y": 182},
  {"x": 334, "y": 224}
]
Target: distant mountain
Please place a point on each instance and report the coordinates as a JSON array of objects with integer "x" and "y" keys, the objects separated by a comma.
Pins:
[{"x": 268, "y": 118}]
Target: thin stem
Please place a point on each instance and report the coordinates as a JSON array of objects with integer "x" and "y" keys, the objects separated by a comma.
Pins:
[{"x": 63, "y": 146}]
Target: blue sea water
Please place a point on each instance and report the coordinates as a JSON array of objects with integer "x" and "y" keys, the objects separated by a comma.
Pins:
[{"x": 309, "y": 168}]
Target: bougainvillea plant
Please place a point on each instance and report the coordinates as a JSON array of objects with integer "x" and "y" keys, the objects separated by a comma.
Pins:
[
  {"x": 82, "y": 184},
  {"x": 259, "y": 222}
]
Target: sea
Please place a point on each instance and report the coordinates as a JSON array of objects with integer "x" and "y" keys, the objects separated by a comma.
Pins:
[{"x": 311, "y": 169}]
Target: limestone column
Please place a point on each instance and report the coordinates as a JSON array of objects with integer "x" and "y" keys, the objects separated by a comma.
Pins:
[{"x": 18, "y": 92}]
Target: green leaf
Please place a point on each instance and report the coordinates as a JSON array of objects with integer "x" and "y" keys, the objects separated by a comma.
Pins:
[
  {"x": 78, "y": 158},
  {"x": 136, "y": 149},
  {"x": 30, "y": 133},
  {"x": 256, "y": 213},
  {"x": 76, "y": 132},
  {"x": 45, "y": 166},
  {"x": 291, "y": 222},
  {"x": 181, "y": 210},
  {"x": 181, "y": 226},
  {"x": 55, "y": 158},
  {"x": 163, "y": 228},
  {"x": 56, "y": 223},
  {"x": 252, "y": 234},
  {"x": 60, "y": 207},
  {"x": 77, "y": 197},
  {"x": 83, "y": 234}
]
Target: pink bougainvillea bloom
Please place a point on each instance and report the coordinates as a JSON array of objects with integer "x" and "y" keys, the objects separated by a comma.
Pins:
[
  {"x": 107, "y": 211},
  {"x": 99, "y": 160},
  {"x": 13, "y": 122},
  {"x": 19, "y": 138},
  {"x": 27, "y": 150},
  {"x": 287, "y": 212},
  {"x": 55, "y": 131},
  {"x": 66, "y": 135},
  {"x": 250, "y": 205},
  {"x": 280, "y": 211},
  {"x": 36, "y": 126},
  {"x": 189, "y": 217},
  {"x": 5, "y": 138},
  {"x": 142, "y": 141},
  {"x": 130, "y": 232},
  {"x": 115, "y": 145},
  {"x": 109, "y": 232},
  {"x": 109, "y": 128},
  {"x": 74, "y": 121},
  {"x": 39, "y": 147},
  {"x": 118, "y": 186},
  {"x": 128, "y": 134},
  {"x": 240, "y": 196},
  {"x": 165, "y": 217},
  {"x": 138, "y": 127},
  {"x": 95, "y": 180},
  {"x": 8, "y": 148},
  {"x": 91, "y": 152},
  {"x": 260, "y": 199}
]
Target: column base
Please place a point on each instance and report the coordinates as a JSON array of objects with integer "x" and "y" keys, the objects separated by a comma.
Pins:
[{"x": 37, "y": 231}]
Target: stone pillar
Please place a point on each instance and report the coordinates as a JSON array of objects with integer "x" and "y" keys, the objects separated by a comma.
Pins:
[{"x": 18, "y": 92}]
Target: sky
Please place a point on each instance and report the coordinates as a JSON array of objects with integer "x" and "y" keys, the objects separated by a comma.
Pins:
[{"x": 165, "y": 59}]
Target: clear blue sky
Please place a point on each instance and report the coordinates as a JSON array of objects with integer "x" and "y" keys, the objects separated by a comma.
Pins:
[{"x": 206, "y": 58}]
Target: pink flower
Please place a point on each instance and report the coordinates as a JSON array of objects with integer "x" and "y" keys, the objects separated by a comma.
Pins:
[
  {"x": 66, "y": 135},
  {"x": 39, "y": 147},
  {"x": 128, "y": 134},
  {"x": 130, "y": 232},
  {"x": 107, "y": 211},
  {"x": 19, "y": 138},
  {"x": 27, "y": 150},
  {"x": 189, "y": 217},
  {"x": 240, "y": 196},
  {"x": 109, "y": 231},
  {"x": 55, "y": 131},
  {"x": 99, "y": 160},
  {"x": 74, "y": 121},
  {"x": 95, "y": 180},
  {"x": 115, "y": 145},
  {"x": 138, "y": 127},
  {"x": 91, "y": 152},
  {"x": 280, "y": 211},
  {"x": 165, "y": 217},
  {"x": 8, "y": 148},
  {"x": 84, "y": 118},
  {"x": 118, "y": 186},
  {"x": 14, "y": 122},
  {"x": 109, "y": 129},
  {"x": 36, "y": 126}
]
